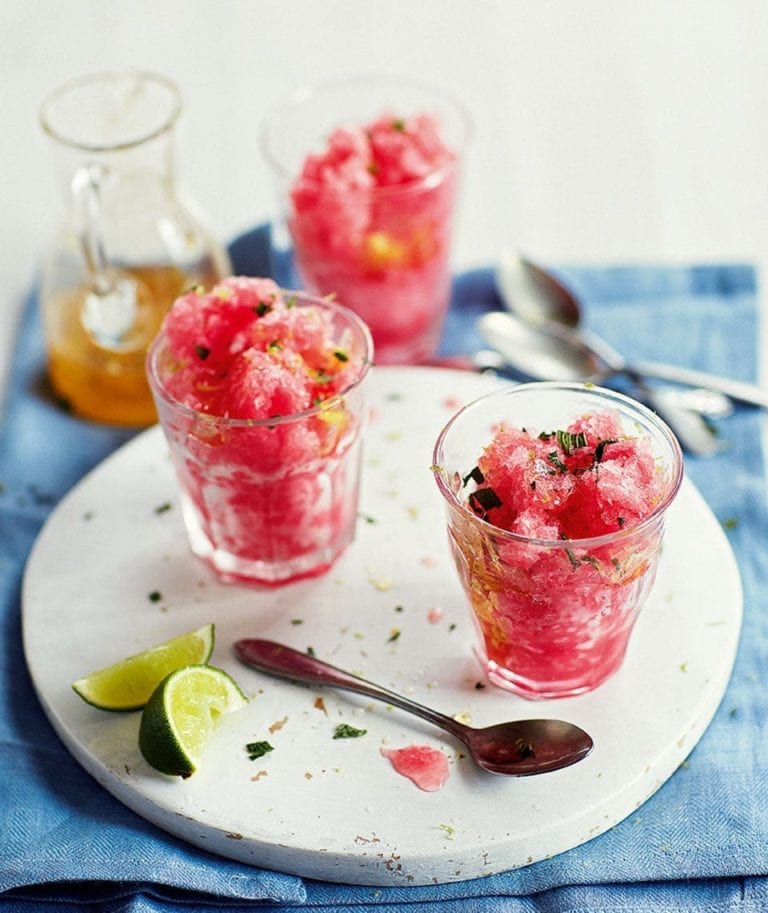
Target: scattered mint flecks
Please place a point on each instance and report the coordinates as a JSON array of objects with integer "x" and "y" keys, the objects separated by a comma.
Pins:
[
  {"x": 163, "y": 508},
  {"x": 155, "y": 596},
  {"x": 484, "y": 499},
  {"x": 475, "y": 474},
  {"x": 600, "y": 449},
  {"x": 555, "y": 460},
  {"x": 258, "y": 749},
  {"x": 345, "y": 731},
  {"x": 567, "y": 441}
]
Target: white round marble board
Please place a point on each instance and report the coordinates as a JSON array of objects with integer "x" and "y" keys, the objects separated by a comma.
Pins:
[{"x": 391, "y": 610}]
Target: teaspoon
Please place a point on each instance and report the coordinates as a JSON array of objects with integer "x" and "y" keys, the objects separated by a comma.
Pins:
[
  {"x": 519, "y": 748},
  {"x": 536, "y": 295},
  {"x": 550, "y": 351}
]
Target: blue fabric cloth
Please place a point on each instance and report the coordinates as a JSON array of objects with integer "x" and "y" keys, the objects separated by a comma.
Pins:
[{"x": 699, "y": 844}]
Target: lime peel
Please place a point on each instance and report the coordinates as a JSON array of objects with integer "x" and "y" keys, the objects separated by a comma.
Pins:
[{"x": 128, "y": 684}]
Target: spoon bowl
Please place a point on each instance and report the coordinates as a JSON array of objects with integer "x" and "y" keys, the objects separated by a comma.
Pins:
[
  {"x": 519, "y": 748},
  {"x": 533, "y": 293}
]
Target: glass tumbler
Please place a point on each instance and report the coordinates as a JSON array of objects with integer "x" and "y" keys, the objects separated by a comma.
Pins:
[
  {"x": 554, "y": 610},
  {"x": 269, "y": 501},
  {"x": 366, "y": 172}
]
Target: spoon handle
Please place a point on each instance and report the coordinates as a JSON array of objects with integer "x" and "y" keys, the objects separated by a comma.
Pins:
[
  {"x": 692, "y": 431},
  {"x": 738, "y": 390},
  {"x": 281, "y": 660}
]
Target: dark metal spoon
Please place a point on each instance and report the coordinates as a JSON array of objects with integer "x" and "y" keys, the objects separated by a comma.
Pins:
[{"x": 518, "y": 748}]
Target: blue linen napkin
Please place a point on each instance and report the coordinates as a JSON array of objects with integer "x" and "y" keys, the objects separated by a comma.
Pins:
[{"x": 700, "y": 843}]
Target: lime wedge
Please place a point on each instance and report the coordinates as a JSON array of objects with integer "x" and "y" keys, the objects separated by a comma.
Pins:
[
  {"x": 181, "y": 715},
  {"x": 127, "y": 685}
]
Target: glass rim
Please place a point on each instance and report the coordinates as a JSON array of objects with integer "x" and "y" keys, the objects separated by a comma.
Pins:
[
  {"x": 309, "y": 91},
  {"x": 106, "y": 77},
  {"x": 587, "y": 389},
  {"x": 159, "y": 390}
]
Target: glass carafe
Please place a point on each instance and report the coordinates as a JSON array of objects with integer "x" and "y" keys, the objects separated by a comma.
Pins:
[{"x": 129, "y": 244}]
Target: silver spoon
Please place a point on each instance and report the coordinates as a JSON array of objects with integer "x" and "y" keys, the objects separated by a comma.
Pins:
[
  {"x": 534, "y": 294},
  {"x": 518, "y": 748},
  {"x": 540, "y": 299},
  {"x": 548, "y": 347}
]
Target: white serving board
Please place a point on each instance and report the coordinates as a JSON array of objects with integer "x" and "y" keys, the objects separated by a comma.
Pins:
[{"x": 335, "y": 809}]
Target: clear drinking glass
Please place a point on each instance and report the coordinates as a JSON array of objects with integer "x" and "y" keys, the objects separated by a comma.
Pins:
[
  {"x": 129, "y": 243},
  {"x": 554, "y": 615},
  {"x": 273, "y": 500},
  {"x": 384, "y": 250}
]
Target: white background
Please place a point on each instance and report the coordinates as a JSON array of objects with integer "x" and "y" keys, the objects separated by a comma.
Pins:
[{"x": 603, "y": 131}]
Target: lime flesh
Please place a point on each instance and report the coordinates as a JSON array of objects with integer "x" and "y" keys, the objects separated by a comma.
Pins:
[
  {"x": 128, "y": 684},
  {"x": 181, "y": 715}
]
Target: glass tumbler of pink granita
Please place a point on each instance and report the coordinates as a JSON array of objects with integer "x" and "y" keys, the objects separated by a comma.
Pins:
[
  {"x": 556, "y": 495},
  {"x": 261, "y": 396},
  {"x": 366, "y": 173}
]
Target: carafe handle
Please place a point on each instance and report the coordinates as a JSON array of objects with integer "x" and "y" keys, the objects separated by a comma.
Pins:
[
  {"x": 86, "y": 187},
  {"x": 110, "y": 308}
]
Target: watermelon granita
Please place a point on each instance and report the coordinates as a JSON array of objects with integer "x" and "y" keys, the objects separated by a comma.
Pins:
[
  {"x": 556, "y": 527},
  {"x": 371, "y": 220},
  {"x": 368, "y": 172},
  {"x": 260, "y": 395}
]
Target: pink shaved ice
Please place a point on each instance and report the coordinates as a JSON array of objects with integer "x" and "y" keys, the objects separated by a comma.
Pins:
[
  {"x": 555, "y": 610},
  {"x": 371, "y": 219},
  {"x": 261, "y": 404},
  {"x": 243, "y": 351}
]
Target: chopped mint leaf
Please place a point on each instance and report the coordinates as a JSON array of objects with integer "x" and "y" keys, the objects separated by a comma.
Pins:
[
  {"x": 345, "y": 731},
  {"x": 258, "y": 749},
  {"x": 568, "y": 441},
  {"x": 483, "y": 500},
  {"x": 555, "y": 460},
  {"x": 600, "y": 449},
  {"x": 475, "y": 474},
  {"x": 202, "y": 352}
]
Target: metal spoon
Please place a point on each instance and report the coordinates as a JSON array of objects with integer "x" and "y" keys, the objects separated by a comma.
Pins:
[
  {"x": 518, "y": 748},
  {"x": 573, "y": 354},
  {"x": 534, "y": 294}
]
